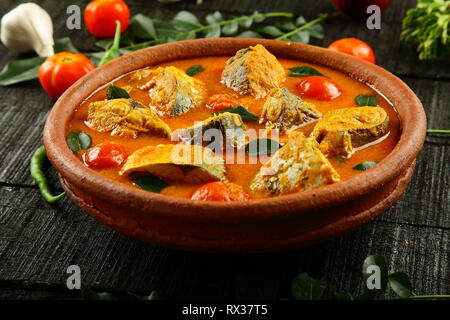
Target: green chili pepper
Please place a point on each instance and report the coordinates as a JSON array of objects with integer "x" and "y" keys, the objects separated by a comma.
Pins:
[{"x": 39, "y": 177}]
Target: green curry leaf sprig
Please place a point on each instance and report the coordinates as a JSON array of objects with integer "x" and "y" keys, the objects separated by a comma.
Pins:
[{"x": 145, "y": 31}]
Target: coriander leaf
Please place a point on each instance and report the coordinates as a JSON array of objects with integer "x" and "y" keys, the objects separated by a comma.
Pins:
[
  {"x": 362, "y": 101},
  {"x": 192, "y": 71},
  {"x": 114, "y": 92},
  {"x": 304, "y": 71},
  {"x": 20, "y": 70},
  {"x": 304, "y": 287},
  {"x": 365, "y": 165},
  {"x": 400, "y": 283},
  {"x": 263, "y": 146},
  {"x": 142, "y": 27},
  {"x": 150, "y": 183},
  {"x": 242, "y": 111}
]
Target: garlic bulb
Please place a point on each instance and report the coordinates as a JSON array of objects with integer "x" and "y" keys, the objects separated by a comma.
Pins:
[{"x": 28, "y": 27}]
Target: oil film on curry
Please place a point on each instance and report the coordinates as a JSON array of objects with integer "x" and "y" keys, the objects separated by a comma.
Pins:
[{"x": 235, "y": 128}]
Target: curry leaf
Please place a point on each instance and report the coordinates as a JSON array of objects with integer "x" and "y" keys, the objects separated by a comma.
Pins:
[
  {"x": 263, "y": 146},
  {"x": 249, "y": 34},
  {"x": 316, "y": 31},
  {"x": 142, "y": 27},
  {"x": 64, "y": 44},
  {"x": 242, "y": 111},
  {"x": 192, "y": 71},
  {"x": 304, "y": 71},
  {"x": 214, "y": 18},
  {"x": 400, "y": 283},
  {"x": 271, "y": 31},
  {"x": 115, "y": 92},
  {"x": 89, "y": 294},
  {"x": 213, "y": 32},
  {"x": 300, "y": 37},
  {"x": 150, "y": 183},
  {"x": 78, "y": 141},
  {"x": 304, "y": 287},
  {"x": 369, "y": 271},
  {"x": 365, "y": 165},
  {"x": 20, "y": 70},
  {"x": 362, "y": 101},
  {"x": 231, "y": 28},
  {"x": 185, "y": 21}
]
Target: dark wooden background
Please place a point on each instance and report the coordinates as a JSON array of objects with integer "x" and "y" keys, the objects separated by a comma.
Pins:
[{"x": 39, "y": 241}]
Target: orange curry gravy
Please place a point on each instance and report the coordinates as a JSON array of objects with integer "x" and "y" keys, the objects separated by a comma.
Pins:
[{"x": 241, "y": 174}]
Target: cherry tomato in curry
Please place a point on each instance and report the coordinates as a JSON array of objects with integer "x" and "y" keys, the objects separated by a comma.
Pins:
[
  {"x": 318, "y": 87},
  {"x": 102, "y": 156},
  {"x": 100, "y": 17},
  {"x": 220, "y": 191},
  {"x": 61, "y": 70},
  {"x": 354, "y": 47}
]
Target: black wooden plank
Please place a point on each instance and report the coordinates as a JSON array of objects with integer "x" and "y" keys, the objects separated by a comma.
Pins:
[{"x": 39, "y": 241}]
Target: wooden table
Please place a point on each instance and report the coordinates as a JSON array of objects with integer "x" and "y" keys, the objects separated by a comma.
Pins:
[{"x": 39, "y": 241}]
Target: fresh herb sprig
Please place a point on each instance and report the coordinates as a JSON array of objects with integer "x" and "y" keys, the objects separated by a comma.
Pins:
[
  {"x": 145, "y": 31},
  {"x": 428, "y": 25}
]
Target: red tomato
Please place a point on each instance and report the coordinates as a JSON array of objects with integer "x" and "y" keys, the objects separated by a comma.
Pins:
[
  {"x": 219, "y": 102},
  {"x": 104, "y": 156},
  {"x": 61, "y": 70},
  {"x": 358, "y": 8},
  {"x": 100, "y": 17},
  {"x": 220, "y": 191},
  {"x": 355, "y": 47},
  {"x": 319, "y": 88}
]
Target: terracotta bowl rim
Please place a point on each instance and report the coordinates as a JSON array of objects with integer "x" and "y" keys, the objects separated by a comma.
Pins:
[{"x": 411, "y": 114}]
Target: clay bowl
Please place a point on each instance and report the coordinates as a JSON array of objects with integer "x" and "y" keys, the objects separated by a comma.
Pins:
[{"x": 279, "y": 223}]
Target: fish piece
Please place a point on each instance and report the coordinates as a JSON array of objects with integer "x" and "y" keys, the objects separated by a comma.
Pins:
[
  {"x": 125, "y": 117},
  {"x": 231, "y": 126},
  {"x": 253, "y": 71},
  {"x": 283, "y": 110},
  {"x": 297, "y": 166},
  {"x": 177, "y": 163},
  {"x": 343, "y": 130},
  {"x": 172, "y": 92}
]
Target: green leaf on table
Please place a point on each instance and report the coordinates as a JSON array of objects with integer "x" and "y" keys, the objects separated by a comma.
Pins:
[
  {"x": 363, "y": 101},
  {"x": 304, "y": 287},
  {"x": 214, "y": 18},
  {"x": 105, "y": 44},
  {"x": 192, "y": 71},
  {"x": 89, "y": 294},
  {"x": 142, "y": 27},
  {"x": 230, "y": 28},
  {"x": 287, "y": 26},
  {"x": 246, "y": 22},
  {"x": 271, "y": 31},
  {"x": 256, "y": 286},
  {"x": 20, "y": 70},
  {"x": 164, "y": 29},
  {"x": 115, "y": 92},
  {"x": 371, "y": 274},
  {"x": 304, "y": 71},
  {"x": 400, "y": 284},
  {"x": 150, "y": 183},
  {"x": 77, "y": 141},
  {"x": 213, "y": 32},
  {"x": 64, "y": 44},
  {"x": 240, "y": 110},
  {"x": 261, "y": 147},
  {"x": 363, "y": 166},
  {"x": 300, "y": 21},
  {"x": 316, "y": 31},
  {"x": 185, "y": 21},
  {"x": 300, "y": 37},
  {"x": 184, "y": 36},
  {"x": 249, "y": 34},
  {"x": 258, "y": 17}
]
